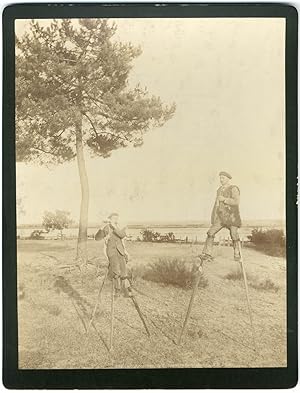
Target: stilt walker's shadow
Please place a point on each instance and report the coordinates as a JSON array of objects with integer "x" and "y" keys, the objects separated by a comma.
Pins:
[{"x": 81, "y": 305}]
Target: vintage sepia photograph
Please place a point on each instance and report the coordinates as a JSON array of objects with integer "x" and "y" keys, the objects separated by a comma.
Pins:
[{"x": 151, "y": 193}]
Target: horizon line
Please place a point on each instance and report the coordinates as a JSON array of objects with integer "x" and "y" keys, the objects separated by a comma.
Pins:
[{"x": 165, "y": 222}]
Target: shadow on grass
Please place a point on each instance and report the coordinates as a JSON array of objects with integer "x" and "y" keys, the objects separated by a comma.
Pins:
[
  {"x": 238, "y": 342},
  {"x": 82, "y": 306},
  {"x": 162, "y": 331}
]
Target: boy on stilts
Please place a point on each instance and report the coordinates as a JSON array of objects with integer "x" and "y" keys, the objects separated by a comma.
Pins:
[{"x": 116, "y": 254}]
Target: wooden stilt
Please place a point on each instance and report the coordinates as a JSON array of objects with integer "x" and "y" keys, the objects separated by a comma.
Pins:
[
  {"x": 247, "y": 295},
  {"x": 196, "y": 284}
]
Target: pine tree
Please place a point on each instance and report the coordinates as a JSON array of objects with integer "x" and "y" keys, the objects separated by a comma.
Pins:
[{"x": 73, "y": 94}]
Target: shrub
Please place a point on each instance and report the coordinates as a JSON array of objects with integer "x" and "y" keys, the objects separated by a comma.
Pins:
[
  {"x": 253, "y": 281},
  {"x": 173, "y": 271},
  {"x": 37, "y": 235},
  {"x": 151, "y": 236},
  {"x": 270, "y": 241},
  {"x": 169, "y": 237}
]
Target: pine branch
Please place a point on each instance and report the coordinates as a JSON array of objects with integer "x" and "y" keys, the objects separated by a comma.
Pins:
[
  {"x": 104, "y": 132},
  {"x": 91, "y": 122},
  {"x": 44, "y": 151},
  {"x": 89, "y": 76}
]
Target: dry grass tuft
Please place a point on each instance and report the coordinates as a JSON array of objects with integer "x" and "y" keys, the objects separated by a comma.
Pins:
[
  {"x": 53, "y": 309},
  {"x": 254, "y": 282},
  {"x": 265, "y": 285},
  {"x": 234, "y": 275}
]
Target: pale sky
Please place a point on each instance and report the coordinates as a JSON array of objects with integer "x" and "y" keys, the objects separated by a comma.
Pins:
[{"x": 226, "y": 77}]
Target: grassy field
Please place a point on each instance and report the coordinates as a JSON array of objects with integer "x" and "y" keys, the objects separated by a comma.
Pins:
[{"x": 55, "y": 302}]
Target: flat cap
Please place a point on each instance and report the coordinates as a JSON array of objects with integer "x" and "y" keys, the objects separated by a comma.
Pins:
[{"x": 222, "y": 173}]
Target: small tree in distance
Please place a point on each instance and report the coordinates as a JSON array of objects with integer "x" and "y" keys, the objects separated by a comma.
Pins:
[{"x": 59, "y": 220}]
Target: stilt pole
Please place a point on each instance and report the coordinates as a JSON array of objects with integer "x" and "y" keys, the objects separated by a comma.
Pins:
[
  {"x": 247, "y": 294},
  {"x": 112, "y": 315},
  {"x": 195, "y": 287}
]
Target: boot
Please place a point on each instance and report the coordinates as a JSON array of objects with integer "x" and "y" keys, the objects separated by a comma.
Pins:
[
  {"x": 236, "y": 250},
  {"x": 127, "y": 292},
  {"x": 207, "y": 249}
]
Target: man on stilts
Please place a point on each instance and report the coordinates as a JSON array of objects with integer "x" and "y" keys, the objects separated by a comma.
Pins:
[{"x": 225, "y": 214}]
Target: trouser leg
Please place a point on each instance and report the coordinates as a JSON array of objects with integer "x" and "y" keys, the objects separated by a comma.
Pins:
[
  {"x": 125, "y": 283},
  {"x": 234, "y": 233},
  {"x": 114, "y": 274},
  {"x": 208, "y": 246}
]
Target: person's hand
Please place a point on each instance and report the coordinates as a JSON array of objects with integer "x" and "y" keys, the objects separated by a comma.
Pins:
[{"x": 221, "y": 198}]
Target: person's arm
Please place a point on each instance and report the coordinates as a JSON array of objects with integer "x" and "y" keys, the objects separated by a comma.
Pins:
[
  {"x": 235, "y": 200},
  {"x": 125, "y": 251},
  {"x": 121, "y": 233},
  {"x": 99, "y": 235},
  {"x": 105, "y": 249},
  {"x": 102, "y": 233}
]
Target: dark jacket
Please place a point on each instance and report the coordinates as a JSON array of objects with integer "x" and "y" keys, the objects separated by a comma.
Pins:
[
  {"x": 114, "y": 243},
  {"x": 227, "y": 212}
]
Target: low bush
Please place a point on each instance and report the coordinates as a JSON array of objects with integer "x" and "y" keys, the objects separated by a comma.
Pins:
[
  {"x": 173, "y": 271},
  {"x": 37, "y": 235},
  {"x": 234, "y": 275},
  {"x": 270, "y": 241},
  {"x": 151, "y": 236}
]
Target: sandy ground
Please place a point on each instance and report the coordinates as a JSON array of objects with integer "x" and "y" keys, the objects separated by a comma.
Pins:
[{"x": 55, "y": 304}]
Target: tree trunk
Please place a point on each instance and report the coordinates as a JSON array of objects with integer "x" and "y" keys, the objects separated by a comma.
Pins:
[{"x": 84, "y": 207}]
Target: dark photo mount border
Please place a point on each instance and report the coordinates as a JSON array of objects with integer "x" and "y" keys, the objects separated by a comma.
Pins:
[{"x": 144, "y": 378}]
